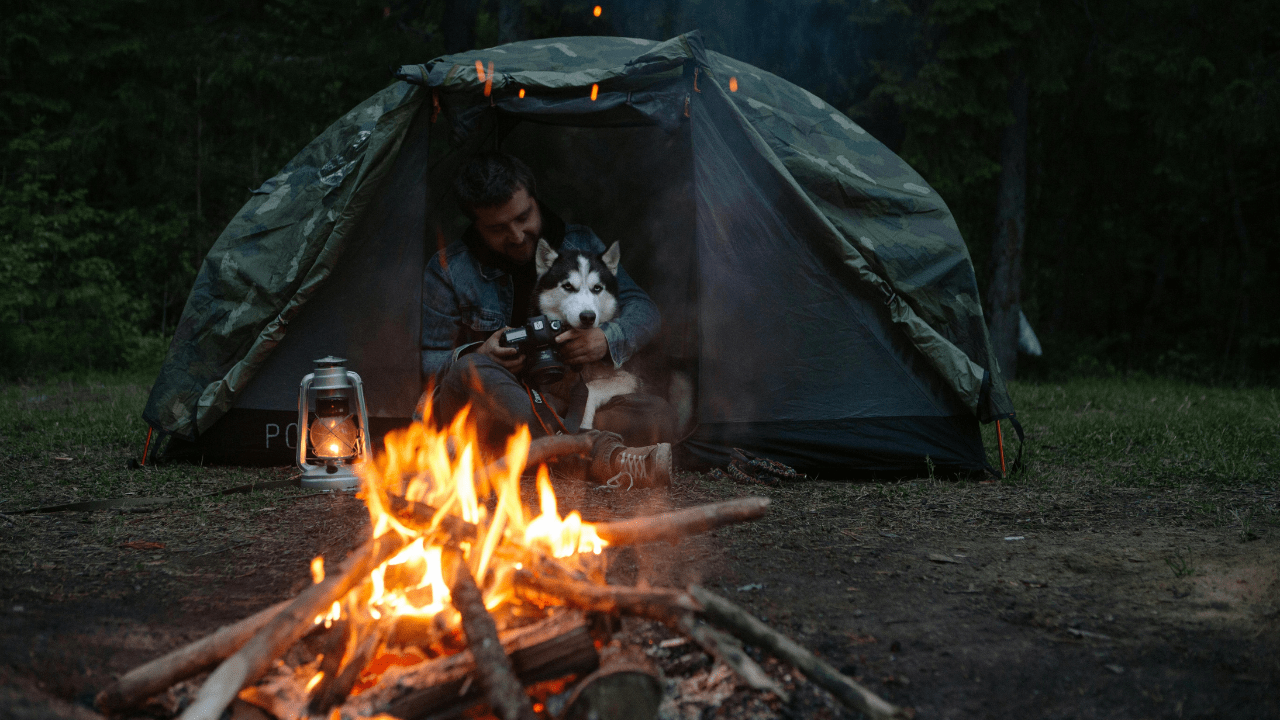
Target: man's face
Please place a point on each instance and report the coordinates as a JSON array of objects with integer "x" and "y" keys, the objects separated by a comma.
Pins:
[{"x": 513, "y": 228}]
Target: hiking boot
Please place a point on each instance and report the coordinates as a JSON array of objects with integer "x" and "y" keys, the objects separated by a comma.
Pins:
[{"x": 616, "y": 465}]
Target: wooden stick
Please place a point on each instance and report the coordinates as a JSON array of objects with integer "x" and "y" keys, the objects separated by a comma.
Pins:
[
  {"x": 661, "y": 604},
  {"x": 140, "y": 683},
  {"x": 497, "y": 677},
  {"x": 286, "y": 628},
  {"x": 728, "y": 650},
  {"x": 680, "y": 524},
  {"x": 554, "y": 446},
  {"x": 747, "y": 628}
]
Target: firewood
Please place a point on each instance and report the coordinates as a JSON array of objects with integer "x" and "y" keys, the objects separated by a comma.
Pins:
[
  {"x": 672, "y": 607},
  {"x": 332, "y": 649},
  {"x": 626, "y": 685},
  {"x": 728, "y": 650},
  {"x": 743, "y": 625},
  {"x": 336, "y": 692},
  {"x": 661, "y": 604},
  {"x": 551, "y": 648},
  {"x": 286, "y": 628},
  {"x": 140, "y": 683},
  {"x": 679, "y": 524},
  {"x": 497, "y": 678}
]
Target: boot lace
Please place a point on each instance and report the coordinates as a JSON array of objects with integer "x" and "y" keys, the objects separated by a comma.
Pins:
[{"x": 632, "y": 466}]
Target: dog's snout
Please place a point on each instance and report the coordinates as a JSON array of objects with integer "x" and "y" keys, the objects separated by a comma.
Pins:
[{"x": 587, "y": 317}]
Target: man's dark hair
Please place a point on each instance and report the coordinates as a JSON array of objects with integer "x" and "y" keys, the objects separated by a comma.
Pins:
[{"x": 490, "y": 179}]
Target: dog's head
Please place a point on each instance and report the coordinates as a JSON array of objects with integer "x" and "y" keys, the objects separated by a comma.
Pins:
[{"x": 577, "y": 288}]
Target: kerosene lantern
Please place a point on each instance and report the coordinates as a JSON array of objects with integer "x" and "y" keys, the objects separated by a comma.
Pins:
[{"x": 333, "y": 426}]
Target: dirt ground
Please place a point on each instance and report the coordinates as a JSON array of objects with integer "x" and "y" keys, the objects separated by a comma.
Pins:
[{"x": 1063, "y": 599}]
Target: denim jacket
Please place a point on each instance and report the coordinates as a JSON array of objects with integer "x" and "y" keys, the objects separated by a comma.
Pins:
[{"x": 465, "y": 300}]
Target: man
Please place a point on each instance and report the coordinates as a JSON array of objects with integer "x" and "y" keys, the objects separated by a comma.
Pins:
[{"x": 482, "y": 284}]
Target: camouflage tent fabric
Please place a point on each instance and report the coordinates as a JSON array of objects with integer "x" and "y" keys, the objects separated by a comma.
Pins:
[
  {"x": 273, "y": 256},
  {"x": 880, "y": 226}
]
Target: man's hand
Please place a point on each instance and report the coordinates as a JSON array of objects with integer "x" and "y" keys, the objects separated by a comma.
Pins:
[
  {"x": 579, "y": 347},
  {"x": 508, "y": 357}
]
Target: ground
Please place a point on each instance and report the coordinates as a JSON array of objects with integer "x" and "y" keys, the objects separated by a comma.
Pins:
[{"x": 1130, "y": 572}]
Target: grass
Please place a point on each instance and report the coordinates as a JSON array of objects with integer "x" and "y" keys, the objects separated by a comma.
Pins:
[
  {"x": 66, "y": 441},
  {"x": 1148, "y": 432},
  {"x": 1111, "y": 432}
]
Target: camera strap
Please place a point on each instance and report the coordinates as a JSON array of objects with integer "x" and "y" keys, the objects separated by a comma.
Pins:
[
  {"x": 547, "y": 416},
  {"x": 549, "y": 419}
]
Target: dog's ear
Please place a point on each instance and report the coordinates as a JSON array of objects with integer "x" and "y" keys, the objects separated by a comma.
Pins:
[
  {"x": 543, "y": 257},
  {"x": 611, "y": 257}
]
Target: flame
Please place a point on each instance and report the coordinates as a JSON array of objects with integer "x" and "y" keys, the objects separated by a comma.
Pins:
[
  {"x": 561, "y": 537},
  {"x": 317, "y": 569},
  {"x": 442, "y": 470},
  {"x": 315, "y": 680},
  {"x": 597, "y": 10},
  {"x": 595, "y": 90},
  {"x": 733, "y": 84},
  {"x": 521, "y": 92}
]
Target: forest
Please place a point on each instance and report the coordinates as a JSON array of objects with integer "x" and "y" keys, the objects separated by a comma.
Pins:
[{"x": 1144, "y": 135}]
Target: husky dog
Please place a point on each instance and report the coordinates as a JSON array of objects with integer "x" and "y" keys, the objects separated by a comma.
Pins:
[{"x": 581, "y": 290}]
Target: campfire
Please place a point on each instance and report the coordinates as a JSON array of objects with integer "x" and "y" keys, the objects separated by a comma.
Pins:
[{"x": 466, "y": 598}]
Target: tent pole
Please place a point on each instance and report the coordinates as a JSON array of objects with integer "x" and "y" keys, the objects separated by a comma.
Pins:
[{"x": 1000, "y": 439}]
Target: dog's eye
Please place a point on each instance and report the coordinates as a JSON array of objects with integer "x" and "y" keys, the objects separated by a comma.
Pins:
[
  {"x": 597, "y": 288},
  {"x": 568, "y": 286}
]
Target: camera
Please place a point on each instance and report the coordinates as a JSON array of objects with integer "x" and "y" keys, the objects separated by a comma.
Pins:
[{"x": 536, "y": 340}]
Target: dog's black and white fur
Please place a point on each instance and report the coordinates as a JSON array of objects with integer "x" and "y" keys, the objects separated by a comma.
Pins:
[{"x": 581, "y": 290}]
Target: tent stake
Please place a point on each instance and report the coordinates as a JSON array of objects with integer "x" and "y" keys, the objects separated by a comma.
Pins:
[{"x": 1000, "y": 439}]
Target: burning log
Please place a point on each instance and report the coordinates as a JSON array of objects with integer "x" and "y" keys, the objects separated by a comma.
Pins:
[
  {"x": 286, "y": 628},
  {"x": 135, "y": 686},
  {"x": 661, "y": 604},
  {"x": 747, "y": 628},
  {"x": 331, "y": 693},
  {"x": 677, "y": 525},
  {"x": 497, "y": 677},
  {"x": 551, "y": 648},
  {"x": 334, "y": 647}
]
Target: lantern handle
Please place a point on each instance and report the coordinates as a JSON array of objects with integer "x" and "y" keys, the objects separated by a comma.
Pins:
[
  {"x": 302, "y": 420},
  {"x": 364, "y": 416}
]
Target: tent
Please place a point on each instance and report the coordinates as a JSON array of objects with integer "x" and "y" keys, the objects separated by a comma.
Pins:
[{"x": 815, "y": 290}]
